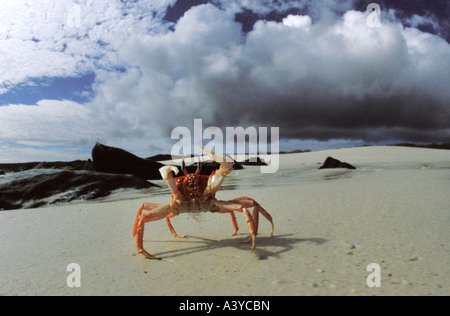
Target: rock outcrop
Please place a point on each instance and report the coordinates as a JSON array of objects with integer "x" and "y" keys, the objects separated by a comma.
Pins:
[
  {"x": 115, "y": 160},
  {"x": 35, "y": 188},
  {"x": 331, "y": 163}
]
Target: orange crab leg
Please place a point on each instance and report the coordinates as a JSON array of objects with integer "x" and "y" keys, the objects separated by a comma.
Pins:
[
  {"x": 147, "y": 207},
  {"x": 233, "y": 219},
  {"x": 172, "y": 230},
  {"x": 251, "y": 227},
  {"x": 249, "y": 202},
  {"x": 156, "y": 212},
  {"x": 240, "y": 205}
]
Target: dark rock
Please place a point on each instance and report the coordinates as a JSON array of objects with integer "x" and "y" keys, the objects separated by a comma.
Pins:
[
  {"x": 35, "y": 188},
  {"x": 18, "y": 167},
  {"x": 296, "y": 151},
  {"x": 115, "y": 160},
  {"x": 208, "y": 167},
  {"x": 61, "y": 165},
  {"x": 5, "y": 205},
  {"x": 331, "y": 163},
  {"x": 161, "y": 157},
  {"x": 258, "y": 162},
  {"x": 70, "y": 165}
]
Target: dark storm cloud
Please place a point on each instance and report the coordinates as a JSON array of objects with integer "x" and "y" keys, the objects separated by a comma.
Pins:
[
  {"x": 315, "y": 79},
  {"x": 428, "y": 16},
  {"x": 315, "y": 69}
]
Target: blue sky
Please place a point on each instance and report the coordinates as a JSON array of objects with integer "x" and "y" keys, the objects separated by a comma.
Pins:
[
  {"x": 126, "y": 73},
  {"x": 77, "y": 89}
]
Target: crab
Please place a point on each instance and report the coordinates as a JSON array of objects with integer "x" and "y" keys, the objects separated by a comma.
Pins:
[{"x": 195, "y": 193}]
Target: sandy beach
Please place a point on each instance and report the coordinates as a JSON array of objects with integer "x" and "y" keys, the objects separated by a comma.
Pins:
[{"x": 393, "y": 210}]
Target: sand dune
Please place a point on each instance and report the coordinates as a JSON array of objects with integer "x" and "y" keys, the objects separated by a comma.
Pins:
[{"x": 393, "y": 210}]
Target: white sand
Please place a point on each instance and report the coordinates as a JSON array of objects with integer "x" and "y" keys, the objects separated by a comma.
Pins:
[{"x": 329, "y": 226}]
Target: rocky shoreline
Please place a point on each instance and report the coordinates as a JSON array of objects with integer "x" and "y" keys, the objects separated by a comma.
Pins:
[
  {"x": 36, "y": 184},
  {"x": 40, "y": 187}
]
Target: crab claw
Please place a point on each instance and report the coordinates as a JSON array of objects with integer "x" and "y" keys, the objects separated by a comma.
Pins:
[
  {"x": 218, "y": 158},
  {"x": 165, "y": 174},
  {"x": 165, "y": 171},
  {"x": 226, "y": 162}
]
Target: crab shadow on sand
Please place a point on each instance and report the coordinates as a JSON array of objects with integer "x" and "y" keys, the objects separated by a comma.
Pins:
[{"x": 282, "y": 243}]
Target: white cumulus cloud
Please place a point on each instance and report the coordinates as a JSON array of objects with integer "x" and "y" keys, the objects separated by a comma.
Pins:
[
  {"x": 346, "y": 80},
  {"x": 319, "y": 75},
  {"x": 46, "y": 37}
]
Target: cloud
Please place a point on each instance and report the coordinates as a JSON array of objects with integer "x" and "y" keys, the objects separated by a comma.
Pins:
[
  {"x": 319, "y": 74},
  {"x": 317, "y": 9},
  {"x": 297, "y": 21},
  {"x": 167, "y": 74},
  {"x": 48, "y": 123},
  {"x": 342, "y": 81},
  {"x": 48, "y": 39}
]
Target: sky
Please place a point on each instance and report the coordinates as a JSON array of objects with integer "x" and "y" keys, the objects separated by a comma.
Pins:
[{"x": 126, "y": 73}]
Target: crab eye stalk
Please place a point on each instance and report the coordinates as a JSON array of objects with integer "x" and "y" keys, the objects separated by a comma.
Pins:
[
  {"x": 199, "y": 166},
  {"x": 183, "y": 167}
]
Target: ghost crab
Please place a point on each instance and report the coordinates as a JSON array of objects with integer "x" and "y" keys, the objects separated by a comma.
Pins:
[{"x": 193, "y": 193}]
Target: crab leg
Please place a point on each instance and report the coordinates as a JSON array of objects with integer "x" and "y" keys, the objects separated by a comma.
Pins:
[
  {"x": 227, "y": 206},
  {"x": 172, "y": 230},
  {"x": 156, "y": 212},
  {"x": 233, "y": 219},
  {"x": 166, "y": 174},
  {"x": 147, "y": 207},
  {"x": 251, "y": 227},
  {"x": 249, "y": 202},
  {"x": 216, "y": 179}
]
